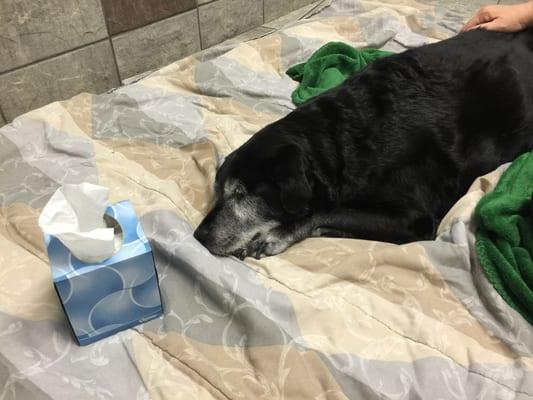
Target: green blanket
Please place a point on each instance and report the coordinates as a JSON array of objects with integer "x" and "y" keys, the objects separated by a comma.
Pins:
[
  {"x": 328, "y": 67},
  {"x": 504, "y": 237}
]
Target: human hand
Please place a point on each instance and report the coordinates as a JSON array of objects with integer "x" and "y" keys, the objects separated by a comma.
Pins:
[{"x": 503, "y": 18}]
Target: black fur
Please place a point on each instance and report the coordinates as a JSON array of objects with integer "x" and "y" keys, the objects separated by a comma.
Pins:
[{"x": 385, "y": 155}]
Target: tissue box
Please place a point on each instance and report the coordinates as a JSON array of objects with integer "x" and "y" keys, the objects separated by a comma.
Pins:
[{"x": 116, "y": 294}]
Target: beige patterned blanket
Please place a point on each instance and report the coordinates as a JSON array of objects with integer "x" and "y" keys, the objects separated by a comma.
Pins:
[{"x": 327, "y": 319}]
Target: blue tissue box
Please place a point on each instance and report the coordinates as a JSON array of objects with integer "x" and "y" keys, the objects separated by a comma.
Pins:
[{"x": 116, "y": 294}]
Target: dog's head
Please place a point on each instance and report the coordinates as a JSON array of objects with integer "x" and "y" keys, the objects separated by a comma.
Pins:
[{"x": 259, "y": 187}]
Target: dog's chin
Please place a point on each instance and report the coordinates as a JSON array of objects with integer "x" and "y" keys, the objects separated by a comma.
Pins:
[
  {"x": 221, "y": 252},
  {"x": 254, "y": 243},
  {"x": 240, "y": 252},
  {"x": 253, "y": 249}
]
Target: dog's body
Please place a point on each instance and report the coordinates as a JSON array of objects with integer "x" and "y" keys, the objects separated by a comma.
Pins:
[{"x": 383, "y": 156}]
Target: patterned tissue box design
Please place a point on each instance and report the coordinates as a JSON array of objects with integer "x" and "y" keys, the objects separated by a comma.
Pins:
[{"x": 119, "y": 293}]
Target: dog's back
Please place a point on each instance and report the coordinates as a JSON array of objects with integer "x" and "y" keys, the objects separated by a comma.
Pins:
[
  {"x": 492, "y": 72},
  {"x": 424, "y": 123}
]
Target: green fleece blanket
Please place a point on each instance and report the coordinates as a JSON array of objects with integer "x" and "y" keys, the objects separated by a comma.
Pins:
[
  {"x": 504, "y": 237},
  {"x": 328, "y": 67}
]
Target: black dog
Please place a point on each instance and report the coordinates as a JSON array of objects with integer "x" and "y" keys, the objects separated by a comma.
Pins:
[{"x": 383, "y": 156}]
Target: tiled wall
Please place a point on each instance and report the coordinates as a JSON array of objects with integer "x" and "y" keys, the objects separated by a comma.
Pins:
[{"x": 53, "y": 49}]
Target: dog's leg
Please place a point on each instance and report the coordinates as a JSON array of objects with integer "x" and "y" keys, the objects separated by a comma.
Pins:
[
  {"x": 373, "y": 226},
  {"x": 347, "y": 223}
]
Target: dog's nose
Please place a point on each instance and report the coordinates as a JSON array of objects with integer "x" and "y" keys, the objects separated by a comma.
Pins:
[{"x": 201, "y": 233}]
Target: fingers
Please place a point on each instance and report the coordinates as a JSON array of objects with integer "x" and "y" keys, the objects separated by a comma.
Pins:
[
  {"x": 490, "y": 26},
  {"x": 483, "y": 16},
  {"x": 497, "y": 26}
]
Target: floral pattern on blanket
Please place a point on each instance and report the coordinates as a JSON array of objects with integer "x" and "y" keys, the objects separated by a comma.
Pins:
[{"x": 327, "y": 319}]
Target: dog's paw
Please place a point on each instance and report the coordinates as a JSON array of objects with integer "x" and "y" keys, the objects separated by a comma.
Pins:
[
  {"x": 275, "y": 246},
  {"x": 272, "y": 243}
]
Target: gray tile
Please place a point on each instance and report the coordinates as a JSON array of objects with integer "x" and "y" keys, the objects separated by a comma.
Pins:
[
  {"x": 277, "y": 8},
  {"x": 124, "y": 15},
  {"x": 255, "y": 33},
  {"x": 32, "y": 30},
  {"x": 156, "y": 45},
  {"x": 294, "y": 16},
  {"x": 90, "y": 69},
  {"x": 224, "y": 19}
]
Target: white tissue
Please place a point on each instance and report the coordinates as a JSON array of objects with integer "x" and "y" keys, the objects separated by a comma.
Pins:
[{"x": 75, "y": 215}]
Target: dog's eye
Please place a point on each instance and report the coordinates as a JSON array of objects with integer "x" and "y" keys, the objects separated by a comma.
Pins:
[{"x": 239, "y": 191}]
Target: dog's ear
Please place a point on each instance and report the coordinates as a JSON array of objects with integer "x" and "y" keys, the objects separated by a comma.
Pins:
[{"x": 287, "y": 168}]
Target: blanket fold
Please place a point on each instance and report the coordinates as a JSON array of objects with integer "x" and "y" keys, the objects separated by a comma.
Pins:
[
  {"x": 328, "y": 67},
  {"x": 504, "y": 237}
]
